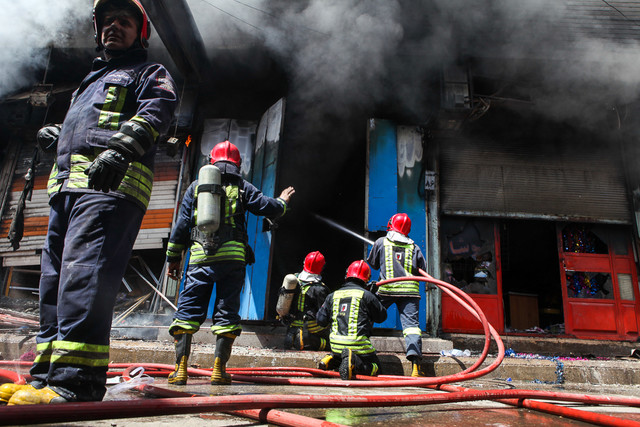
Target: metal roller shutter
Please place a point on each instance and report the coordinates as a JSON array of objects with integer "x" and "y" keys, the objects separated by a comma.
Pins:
[{"x": 567, "y": 181}]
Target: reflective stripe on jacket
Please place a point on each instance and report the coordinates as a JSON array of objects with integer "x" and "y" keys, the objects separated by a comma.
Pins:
[
  {"x": 395, "y": 259},
  {"x": 241, "y": 196},
  {"x": 126, "y": 88},
  {"x": 351, "y": 311}
]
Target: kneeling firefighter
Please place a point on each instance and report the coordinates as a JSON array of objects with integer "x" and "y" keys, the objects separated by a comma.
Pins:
[
  {"x": 211, "y": 224},
  {"x": 351, "y": 311},
  {"x": 298, "y": 305}
]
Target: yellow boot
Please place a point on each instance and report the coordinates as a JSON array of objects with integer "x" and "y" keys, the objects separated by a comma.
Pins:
[
  {"x": 33, "y": 396},
  {"x": 327, "y": 363},
  {"x": 416, "y": 367},
  {"x": 183, "y": 349},
  {"x": 7, "y": 390},
  {"x": 221, "y": 356}
]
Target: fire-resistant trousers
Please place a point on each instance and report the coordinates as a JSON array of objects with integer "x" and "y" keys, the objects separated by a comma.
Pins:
[
  {"x": 85, "y": 255},
  {"x": 408, "y": 307},
  {"x": 193, "y": 301}
]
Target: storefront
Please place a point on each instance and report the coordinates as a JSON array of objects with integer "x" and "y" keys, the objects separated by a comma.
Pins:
[
  {"x": 534, "y": 221},
  {"x": 539, "y": 232}
]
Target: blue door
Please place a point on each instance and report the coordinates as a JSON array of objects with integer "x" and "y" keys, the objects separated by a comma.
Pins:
[
  {"x": 264, "y": 168},
  {"x": 395, "y": 184}
]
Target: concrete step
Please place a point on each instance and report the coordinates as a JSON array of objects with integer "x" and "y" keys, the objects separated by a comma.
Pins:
[{"x": 257, "y": 348}]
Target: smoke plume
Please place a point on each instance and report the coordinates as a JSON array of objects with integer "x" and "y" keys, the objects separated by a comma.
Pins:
[
  {"x": 28, "y": 28},
  {"x": 346, "y": 54}
]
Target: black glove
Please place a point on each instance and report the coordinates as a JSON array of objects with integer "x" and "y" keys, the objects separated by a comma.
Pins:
[
  {"x": 107, "y": 170},
  {"x": 47, "y": 137},
  {"x": 372, "y": 286},
  {"x": 287, "y": 319}
]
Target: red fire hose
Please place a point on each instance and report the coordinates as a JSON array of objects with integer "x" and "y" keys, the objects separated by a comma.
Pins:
[
  {"x": 171, "y": 406},
  {"x": 263, "y": 405}
]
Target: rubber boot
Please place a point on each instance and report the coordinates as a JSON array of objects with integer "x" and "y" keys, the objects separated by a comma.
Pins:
[
  {"x": 33, "y": 396},
  {"x": 416, "y": 367},
  {"x": 183, "y": 349},
  {"x": 8, "y": 389},
  {"x": 221, "y": 356},
  {"x": 347, "y": 364},
  {"x": 327, "y": 362}
]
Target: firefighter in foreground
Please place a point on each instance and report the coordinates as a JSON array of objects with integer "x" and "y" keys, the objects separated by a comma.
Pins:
[
  {"x": 99, "y": 190},
  {"x": 301, "y": 296},
  {"x": 211, "y": 225},
  {"x": 351, "y": 311},
  {"x": 396, "y": 255}
]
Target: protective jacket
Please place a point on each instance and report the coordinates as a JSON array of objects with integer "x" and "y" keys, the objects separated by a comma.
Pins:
[
  {"x": 311, "y": 295},
  {"x": 125, "y": 88},
  {"x": 352, "y": 311},
  {"x": 396, "y": 255},
  {"x": 91, "y": 234},
  {"x": 240, "y": 196}
]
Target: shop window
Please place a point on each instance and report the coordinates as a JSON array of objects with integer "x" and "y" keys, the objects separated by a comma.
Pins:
[
  {"x": 583, "y": 239},
  {"x": 625, "y": 286},
  {"x": 582, "y": 284},
  {"x": 468, "y": 254}
]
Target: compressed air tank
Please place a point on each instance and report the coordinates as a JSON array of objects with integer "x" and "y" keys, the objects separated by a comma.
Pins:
[
  {"x": 286, "y": 294},
  {"x": 209, "y": 192}
]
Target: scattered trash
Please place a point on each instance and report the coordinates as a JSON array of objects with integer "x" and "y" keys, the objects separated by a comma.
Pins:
[
  {"x": 559, "y": 365},
  {"x": 455, "y": 353},
  {"x": 138, "y": 377}
]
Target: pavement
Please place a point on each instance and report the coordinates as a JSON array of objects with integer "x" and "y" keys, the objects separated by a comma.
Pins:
[
  {"x": 534, "y": 362},
  {"x": 530, "y": 359}
]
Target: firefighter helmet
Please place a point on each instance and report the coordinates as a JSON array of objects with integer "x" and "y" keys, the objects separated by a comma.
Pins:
[
  {"x": 143, "y": 20},
  {"x": 226, "y": 152},
  {"x": 314, "y": 262},
  {"x": 359, "y": 270},
  {"x": 401, "y": 223}
]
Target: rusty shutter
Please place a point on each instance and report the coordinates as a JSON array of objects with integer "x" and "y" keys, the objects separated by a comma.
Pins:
[{"x": 567, "y": 181}]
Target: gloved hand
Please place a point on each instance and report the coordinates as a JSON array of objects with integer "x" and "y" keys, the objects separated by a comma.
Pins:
[
  {"x": 107, "y": 170},
  {"x": 172, "y": 269},
  {"x": 372, "y": 286},
  {"x": 287, "y": 319},
  {"x": 47, "y": 137}
]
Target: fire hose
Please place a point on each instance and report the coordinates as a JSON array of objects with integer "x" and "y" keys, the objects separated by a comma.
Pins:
[{"x": 176, "y": 402}]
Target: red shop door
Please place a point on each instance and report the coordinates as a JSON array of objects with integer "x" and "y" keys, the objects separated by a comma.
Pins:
[
  {"x": 599, "y": 282},
  {"x": 471, "y": 254}
]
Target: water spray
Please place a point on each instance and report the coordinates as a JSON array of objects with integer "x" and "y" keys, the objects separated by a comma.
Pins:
[{"x": 344, "y": 229}]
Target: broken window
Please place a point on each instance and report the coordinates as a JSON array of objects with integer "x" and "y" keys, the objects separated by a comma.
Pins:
[{"x": 468, "y": 254}]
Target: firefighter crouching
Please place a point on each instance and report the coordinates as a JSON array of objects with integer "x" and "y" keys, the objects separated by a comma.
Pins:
[
  {"x": 351, "y": 311},
  {"x": 99, "y": 189},
  {"x": 301, "y": 296},
  {"x": 396, "y": 255},
  {"x": 216, "y": 257}
]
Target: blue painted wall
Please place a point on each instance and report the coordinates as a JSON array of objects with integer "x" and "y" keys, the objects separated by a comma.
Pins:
[{"x": 394, "y": 176}]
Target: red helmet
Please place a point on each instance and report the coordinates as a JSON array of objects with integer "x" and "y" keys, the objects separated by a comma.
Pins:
[
  {"x": 143, "y": 19},
  {"x": 314, "y": 263},
  {"x": 226, "y": 151},
  {"x": 401, "y": 223},
  {"x": 359, "y": 270}
]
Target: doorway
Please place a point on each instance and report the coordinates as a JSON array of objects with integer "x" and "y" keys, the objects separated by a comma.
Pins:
[{"x": 531, "y": 288}]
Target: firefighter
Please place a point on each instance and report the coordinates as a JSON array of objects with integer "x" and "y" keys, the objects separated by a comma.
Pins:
[
  {"x": 396, "y": 255},
  {"x": 223, "y": 263},
  {"x": 99, "y": 190},
  {"x": 303, "y": 332},
  {"x": 351, "y": 311}
]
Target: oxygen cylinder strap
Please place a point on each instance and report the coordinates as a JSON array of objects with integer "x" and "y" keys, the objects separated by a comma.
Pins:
[
  {"x": 211, "y": 188},
  {"x": 211, "y": 242}
]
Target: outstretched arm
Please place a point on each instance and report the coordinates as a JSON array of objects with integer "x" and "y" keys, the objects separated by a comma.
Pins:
[{"x": 287, "y": 193}]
